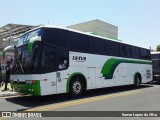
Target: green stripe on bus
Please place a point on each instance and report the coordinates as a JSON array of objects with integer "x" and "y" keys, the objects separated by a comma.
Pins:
[
  {"x": 111, "y": 64},
  {"x": 30, "y": 45},
  {"x": 27, "y": 88}
]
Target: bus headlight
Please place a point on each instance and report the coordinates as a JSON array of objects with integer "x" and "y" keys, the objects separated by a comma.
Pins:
[{"x": 156, "y": 75}]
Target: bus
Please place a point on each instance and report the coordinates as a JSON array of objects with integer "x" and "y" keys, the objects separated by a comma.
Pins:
[
  {"x": 156, "y": 65},
  {"x": 53, "y": 60}
]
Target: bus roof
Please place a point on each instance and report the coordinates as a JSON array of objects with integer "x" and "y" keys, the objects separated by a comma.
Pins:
[
  {"x": 155, "y": 52},
  {"x": 64, "y": 28}
]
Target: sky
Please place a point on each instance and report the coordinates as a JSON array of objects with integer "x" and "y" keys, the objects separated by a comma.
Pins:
[{"x": 138, "y": 21}]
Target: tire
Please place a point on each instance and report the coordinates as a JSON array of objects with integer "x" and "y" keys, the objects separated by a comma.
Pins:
[
  {"x": 76, "y": 87},
  {"x": 137, "y": 81}
]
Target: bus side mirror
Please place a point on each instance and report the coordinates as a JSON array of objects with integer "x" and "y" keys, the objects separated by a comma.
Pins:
[
  {"x": 30, "y": 43},
  {"x": 11, "y": 47}
]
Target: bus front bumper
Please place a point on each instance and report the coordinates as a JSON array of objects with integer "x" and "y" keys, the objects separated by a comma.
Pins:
[
  {"x": 32, "y": 89},
  {"x": 156, "y": 77}
]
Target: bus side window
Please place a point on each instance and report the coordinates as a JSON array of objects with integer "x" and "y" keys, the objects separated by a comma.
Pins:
[
  {"x": 48, "y": 60},
  {"x": 112, "y": 48},
  {"x": 135, "y": 52},
  {"x": 144, "y": 54}
]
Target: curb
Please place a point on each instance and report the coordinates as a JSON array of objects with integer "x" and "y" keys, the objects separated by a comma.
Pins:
[{"x": 7, "y": 93}]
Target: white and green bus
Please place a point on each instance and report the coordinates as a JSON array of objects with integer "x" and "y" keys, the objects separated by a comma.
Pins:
[{"x": 53, "y": 60}]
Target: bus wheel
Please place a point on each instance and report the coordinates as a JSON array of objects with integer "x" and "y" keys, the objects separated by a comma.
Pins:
[
  {"x": 137, "y": 81},
  {"x": 76, "y": 87}
]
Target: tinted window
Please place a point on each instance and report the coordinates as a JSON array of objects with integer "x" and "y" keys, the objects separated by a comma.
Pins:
[
  {"x": 57, "y": 37},
  {"x": 144, "y": 54},
  {"x": 112, "y": 48},
  {"x": 156, "y": 64},
  {"x": 149, "y": 54},
  {"x": 97, "y": 45},
  {"x": 128, "y": 51},
  {"x": 125, "y": 50},
  {"x": 155, "y": 56},
  {"x": 48, "y": 59},
  {"x": 135, "y": 52},
  {"x": 78, "y": 42},
  {"x": 122, "y": 50},
  {"x": 63, "y": 58}
]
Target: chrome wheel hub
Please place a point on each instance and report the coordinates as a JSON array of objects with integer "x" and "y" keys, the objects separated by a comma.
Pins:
[{"x": 76, "y": 87}]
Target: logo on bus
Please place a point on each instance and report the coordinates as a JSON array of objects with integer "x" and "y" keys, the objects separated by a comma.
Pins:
[{"x": 79, "y": 58}]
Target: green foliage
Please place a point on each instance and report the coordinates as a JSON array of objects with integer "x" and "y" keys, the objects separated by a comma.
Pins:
[{"x": 158, "y": 48}]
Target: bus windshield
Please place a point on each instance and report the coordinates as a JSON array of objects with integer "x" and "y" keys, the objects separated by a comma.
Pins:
[
  {"x": 156, "y": 62},
  {"x": 26, "y": 63}
]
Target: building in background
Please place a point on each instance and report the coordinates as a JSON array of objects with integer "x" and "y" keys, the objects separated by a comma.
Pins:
[
  {"x": 10, "y": 32},
  {"x": 8, "y": 36},
  {"x": 97, "y": 27}
]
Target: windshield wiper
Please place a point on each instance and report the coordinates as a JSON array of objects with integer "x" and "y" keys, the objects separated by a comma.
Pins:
[
  {"x": 17, "y": 66},
  {"x": 20, "y": 66}
]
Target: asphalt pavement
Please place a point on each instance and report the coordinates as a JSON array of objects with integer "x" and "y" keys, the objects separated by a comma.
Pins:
[{"x": 116, "y": 99}]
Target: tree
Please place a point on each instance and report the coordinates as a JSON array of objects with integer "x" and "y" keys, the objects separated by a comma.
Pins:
[{"x": 158, "y": 48}]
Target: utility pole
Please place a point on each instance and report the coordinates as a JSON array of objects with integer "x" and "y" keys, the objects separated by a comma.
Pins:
[{"x": 10, "y": 34}]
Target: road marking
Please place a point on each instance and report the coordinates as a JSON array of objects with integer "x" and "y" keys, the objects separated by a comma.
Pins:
[{"x": 82, "y": 101}]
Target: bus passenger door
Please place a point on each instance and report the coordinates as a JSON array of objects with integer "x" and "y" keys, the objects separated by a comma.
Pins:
[
  {"x": 62, "y": 62},
  {"x": 48, "y": 83}
]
